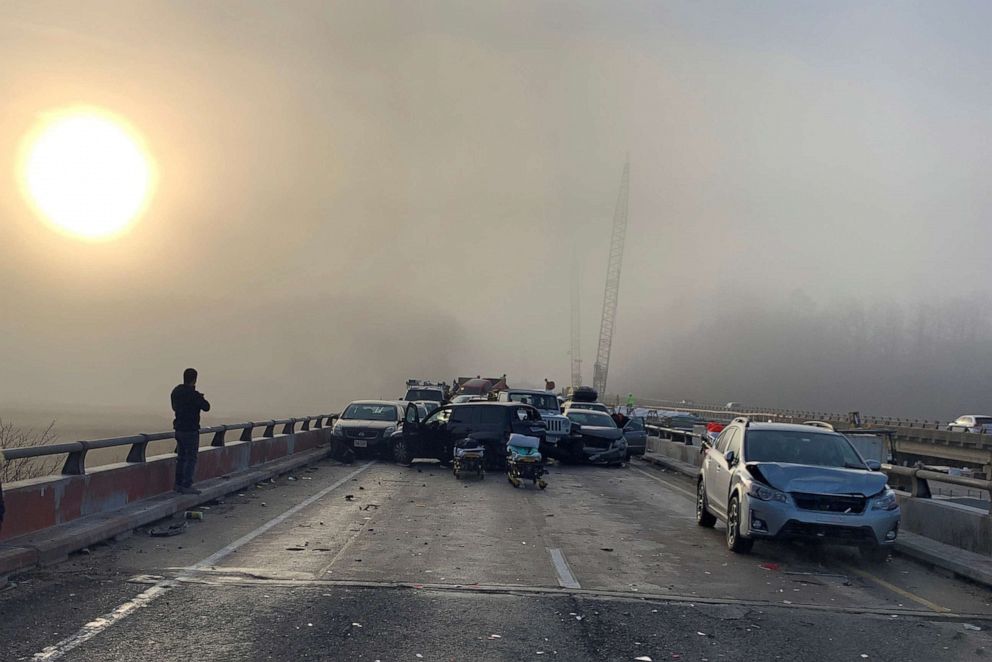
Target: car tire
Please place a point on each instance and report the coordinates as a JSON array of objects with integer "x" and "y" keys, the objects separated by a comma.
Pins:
[
  {"x": 735, "y": 542},
  {"x": 401, "y": 453},
  {"x": 874, "y": 553},
  {"x": 703, "y": 516}
]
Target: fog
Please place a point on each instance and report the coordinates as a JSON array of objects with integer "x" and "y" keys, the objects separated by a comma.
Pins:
[{"x": 351, "y": 194}]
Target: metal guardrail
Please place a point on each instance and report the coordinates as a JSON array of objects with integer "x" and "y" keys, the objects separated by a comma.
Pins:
[
  {"x": 920, "y": 487},
  {"x": 75, "y": 463}
]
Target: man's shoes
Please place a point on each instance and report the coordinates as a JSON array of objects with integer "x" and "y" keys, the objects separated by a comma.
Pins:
[{"x": 187, "y": 490}]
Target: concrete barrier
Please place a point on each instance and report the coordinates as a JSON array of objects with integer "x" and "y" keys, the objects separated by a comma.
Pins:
[
  {"x": 676, "y": 450},
  {"x": 36, "y": 504},
  {"x": 950, "y": 523}
]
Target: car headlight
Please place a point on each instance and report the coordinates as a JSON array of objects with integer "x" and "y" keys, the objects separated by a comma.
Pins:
[
  {"x": 388, "y": 431},
  {"x": 337, "y": 431},
  {"x": 765, "y": 493},
  {"x": 886, "y": 501}
]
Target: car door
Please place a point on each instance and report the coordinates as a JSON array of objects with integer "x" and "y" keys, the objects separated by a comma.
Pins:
[
  {"x": 636, "y": 435},
  {"x": 432, "y": 433},
  {"x": 717, "y": 475}
]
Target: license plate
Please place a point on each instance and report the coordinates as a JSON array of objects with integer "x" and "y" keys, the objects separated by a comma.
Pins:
[{"x": 361, "y": 443}]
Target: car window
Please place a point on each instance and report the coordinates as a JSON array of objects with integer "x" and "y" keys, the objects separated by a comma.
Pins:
[
  {"x": 371, "y": 412},
  {"x": 635, "y": 424},
  {"x": 590, "y": 417},
  {"x": 539, "y": 400},
  {"x": 440, "y": 417},
  {"x": 411, "y": 415},
  {"x": 491, "y": 415},
  {"x": 801, "y": 447},
  {"x": 734, "y": 443},
  {"x": 526, "y": 414},
  {"x": 464, "y": 415},
  {"x": 721, "y": 441},
  {"x": 983, "y": 420}
]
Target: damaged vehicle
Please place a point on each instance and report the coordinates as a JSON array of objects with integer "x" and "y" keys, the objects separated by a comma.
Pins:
[
  {"x": 782, "y": 481},
  {"x": 594, "y": 438},
  {"x": 365, "y": 427},
  {"x": 547, "y": 403}
]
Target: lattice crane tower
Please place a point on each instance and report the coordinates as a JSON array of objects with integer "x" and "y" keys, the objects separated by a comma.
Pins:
[{"x": 612, "y": 292}]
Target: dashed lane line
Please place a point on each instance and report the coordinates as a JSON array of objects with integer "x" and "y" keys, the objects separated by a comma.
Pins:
[
  {"x": 143, "y": 599},
  {"x": 565, "y": 577}
]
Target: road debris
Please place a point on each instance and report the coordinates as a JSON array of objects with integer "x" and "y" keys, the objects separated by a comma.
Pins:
[
  {"x": 969, "y": 626},
  {"x": 770, "y": 566}
]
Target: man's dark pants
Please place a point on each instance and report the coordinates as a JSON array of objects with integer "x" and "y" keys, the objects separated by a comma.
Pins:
[{"x": 187, "y": 446}]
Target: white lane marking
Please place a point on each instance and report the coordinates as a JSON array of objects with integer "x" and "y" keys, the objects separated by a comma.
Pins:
[
  {"x": 565, "y": 577},
  {"x": 666, "y": 483},
  {"x": 145, "y": 598}
]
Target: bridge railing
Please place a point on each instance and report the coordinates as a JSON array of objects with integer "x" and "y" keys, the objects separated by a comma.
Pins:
[
  {"x": 75, "y": 462},
  {"x": 920, "y": 487}
]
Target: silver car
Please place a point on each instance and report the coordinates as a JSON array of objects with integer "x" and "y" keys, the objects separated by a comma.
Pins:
[{"x": 773, "y": 480}]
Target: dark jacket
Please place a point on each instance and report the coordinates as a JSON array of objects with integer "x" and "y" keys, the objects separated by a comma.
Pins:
[{"x": 187, "y": 402}]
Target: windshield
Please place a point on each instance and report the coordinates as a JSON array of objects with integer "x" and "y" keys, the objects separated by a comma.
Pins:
[
  {"x": 593, "y": 418},
  {"x": 538, "y": 400},
  {"x": 595, "y": 406},
  {"x": 432, "y": 394},
  {"x": 801, "y": 447},
  {"x": 371, "y": 412}
]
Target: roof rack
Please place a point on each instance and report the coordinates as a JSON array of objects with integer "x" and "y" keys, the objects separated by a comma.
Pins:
[{"x": 743, "y": 420}]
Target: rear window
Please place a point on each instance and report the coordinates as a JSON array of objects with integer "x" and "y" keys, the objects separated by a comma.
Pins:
[
  {"x": 434, "y": 395},
  {"x": 491, "y": 415}
]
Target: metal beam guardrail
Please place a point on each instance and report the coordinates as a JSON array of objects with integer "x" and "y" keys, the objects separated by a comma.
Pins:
[
  {"x": 75, "y": 463},
  {"x": 674, "y": 434},
  {"x": 920, "y": 487}
]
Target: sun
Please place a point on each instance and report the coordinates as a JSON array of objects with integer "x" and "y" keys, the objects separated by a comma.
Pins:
[{"x": 87, "y": 173}]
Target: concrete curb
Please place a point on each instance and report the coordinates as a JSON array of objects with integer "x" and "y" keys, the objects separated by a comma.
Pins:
[
  {"x": 965, "y": 564},
  {"x": 55, "y": 544}
]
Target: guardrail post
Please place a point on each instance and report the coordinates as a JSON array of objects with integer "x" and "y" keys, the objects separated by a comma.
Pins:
[
  {"x": 920, "y": 486},
  {"x": 218, "y": 439},
  {"x": 270, "y": 429},
  {"x": 288, "y": 428},
  {"x": 318, "y": 422},
  {"x": 306, "y": 424},
  {"x": 138, "y": 449},
  {"x": 75, "y": 463},
  {"x": 246, "y": 433}
]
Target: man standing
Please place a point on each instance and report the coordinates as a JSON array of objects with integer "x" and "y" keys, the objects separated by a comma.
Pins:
[
  {"x": 187, "y": 403},
  {"x": 631, "y": 403}
]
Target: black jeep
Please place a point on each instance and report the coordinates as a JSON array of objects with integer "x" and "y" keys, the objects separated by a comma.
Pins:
[{"x": 490, "y": 423}]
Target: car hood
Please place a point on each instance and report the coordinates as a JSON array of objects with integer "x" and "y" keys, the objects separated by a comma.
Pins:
[
  {"x": 817, "y": 480},
  {"x": 354, "y": 424},
  {"x": 601, "y": 432}
]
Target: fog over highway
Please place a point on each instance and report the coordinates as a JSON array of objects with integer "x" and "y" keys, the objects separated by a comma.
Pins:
[{"x": 350, "y": 195}]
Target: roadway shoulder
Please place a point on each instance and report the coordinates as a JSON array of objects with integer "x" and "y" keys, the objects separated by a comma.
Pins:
[
  {"x": 55, "y": 544},
  {"x": 669, "y": 463},
  {"x": 961, "y": 562}
]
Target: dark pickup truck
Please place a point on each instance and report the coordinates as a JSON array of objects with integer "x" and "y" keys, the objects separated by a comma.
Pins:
[{"x": 490, "y": 423}]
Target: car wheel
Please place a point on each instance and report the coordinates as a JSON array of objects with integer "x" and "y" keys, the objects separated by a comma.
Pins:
[
  {"x": 401, "y": 454},
  {"x": 735, "y": 542},
  {"x": 703, "y": 516},
  {"x": 874, "y": 553}
]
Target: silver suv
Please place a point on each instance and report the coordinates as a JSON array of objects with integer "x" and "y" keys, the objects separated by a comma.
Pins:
[{"x": 773, "y": 480}]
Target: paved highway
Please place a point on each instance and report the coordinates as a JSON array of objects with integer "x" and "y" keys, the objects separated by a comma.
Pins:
[{"x": 380, "y": 562}]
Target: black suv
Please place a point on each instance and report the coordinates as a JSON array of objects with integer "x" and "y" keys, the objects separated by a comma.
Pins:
[{"x": 488, "y": 422}]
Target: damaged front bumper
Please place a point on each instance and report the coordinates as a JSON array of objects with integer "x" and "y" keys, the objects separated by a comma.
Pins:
[{"x": 774, "y": 519}]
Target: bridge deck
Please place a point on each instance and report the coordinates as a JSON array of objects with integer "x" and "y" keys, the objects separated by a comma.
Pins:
[{"x": 416, "y": 562}]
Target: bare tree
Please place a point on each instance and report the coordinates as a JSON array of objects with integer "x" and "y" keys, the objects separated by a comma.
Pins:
[{"x": 12, "y": 436}]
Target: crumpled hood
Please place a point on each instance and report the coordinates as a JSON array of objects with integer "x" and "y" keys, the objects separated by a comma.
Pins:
[
  {"x": 601, "y": 432},
  {"x": 817, "y": 480}
]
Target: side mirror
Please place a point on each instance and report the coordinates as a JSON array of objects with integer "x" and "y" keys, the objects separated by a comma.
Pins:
[
  {"x": 874, "y": 465},
  {"x": 730, "y": 457}
]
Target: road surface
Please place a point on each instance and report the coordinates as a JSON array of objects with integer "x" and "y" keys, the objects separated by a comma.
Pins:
[{"x": 374, "y": 561}]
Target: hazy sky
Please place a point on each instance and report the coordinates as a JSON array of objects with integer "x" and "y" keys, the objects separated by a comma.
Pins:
[{"x": 355, "y": 193}]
